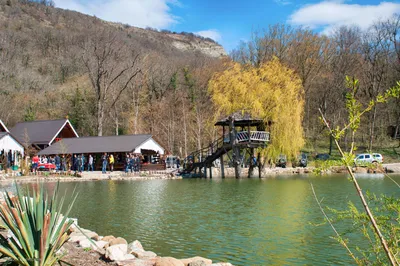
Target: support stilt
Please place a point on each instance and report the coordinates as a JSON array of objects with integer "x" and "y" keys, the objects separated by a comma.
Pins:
[
  {"x": 205, "y": 171},
  {"x": 222, "y": 166},
  {"x": 251, "y": 166},
  {"x": 259, "y": 165},
  {"x": 210, "y": 172}
]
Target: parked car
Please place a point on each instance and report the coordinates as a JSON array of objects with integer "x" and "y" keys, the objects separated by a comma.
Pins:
[
  {"x": 378, "y": 157},
  {"x": 365, "y": 158},
  {"x": 322, "y": 157},
  {"x": 281, "y": 162},
  {"x": 303, "y": 160}
]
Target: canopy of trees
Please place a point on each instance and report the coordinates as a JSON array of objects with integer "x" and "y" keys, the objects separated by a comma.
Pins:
[
  {"x": 322, "y": 63},
  {"x": 56, "y": 63},
  {"x": 271, "y": 92}
]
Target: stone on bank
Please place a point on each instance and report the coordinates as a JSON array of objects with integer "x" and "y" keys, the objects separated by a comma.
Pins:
[{"x": 117, "y": 249}]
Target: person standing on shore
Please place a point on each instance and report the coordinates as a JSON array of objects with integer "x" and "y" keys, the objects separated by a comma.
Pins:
[
  {"x": 111, "y": 162},
  {"x": 35, "y": 163},
  {"x": 90, "y": 163},
  {"x": 57, "y": 161},
  {"x": 75, "y": 165},
  {"x": 63, "y": 163},
  {"x": 83, "y": 158},
  {"x": 127, "y": 163},
  {"x": 104, "y": 163}
]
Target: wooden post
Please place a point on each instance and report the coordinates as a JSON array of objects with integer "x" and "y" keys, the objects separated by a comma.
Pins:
[
  {"x": 205, "y": 171},
  {"x": 251, "y": 167},
  {"x": 235, "y": 148},
  {"x": 237, "y": 162},
  {"x": 210, "y": 171},
  {"x": 222, "y": 166},
  {"x": 248, "y": 131},
  {"x": 259, "y": 164}
]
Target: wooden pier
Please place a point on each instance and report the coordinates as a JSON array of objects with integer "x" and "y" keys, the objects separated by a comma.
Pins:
[{"x": 238, "y": 136}]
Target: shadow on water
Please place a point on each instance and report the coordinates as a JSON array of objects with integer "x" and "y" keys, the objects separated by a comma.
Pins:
[{"x": 246, "y": 222}]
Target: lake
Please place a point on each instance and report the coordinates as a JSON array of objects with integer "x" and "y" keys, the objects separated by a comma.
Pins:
[{"x": 245, "y": 222}]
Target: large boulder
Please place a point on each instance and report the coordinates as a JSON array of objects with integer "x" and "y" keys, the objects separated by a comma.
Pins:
[
  {"x": 198, "y": 263},
  {"x": 86, "y": 243},
  {"x": 135, "y": 245},
  {"x": 116, "y": 252},
  {"x": 168, "y": 261},
  {"x": 188, "y": 261},
  {"x": 118, "y": 241},
  {"x": 141, "y": 254},
  {"x": 108, "y": 238},
  {"x": 136, "y": 262},
  {"x": 76, "y": 237}
]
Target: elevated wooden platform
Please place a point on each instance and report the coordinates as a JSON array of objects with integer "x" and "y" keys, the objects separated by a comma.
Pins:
[{"x": 205, "y": 157}]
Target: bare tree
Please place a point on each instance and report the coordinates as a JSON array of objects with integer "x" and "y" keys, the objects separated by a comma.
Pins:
[{"x": 111, "y": 66}]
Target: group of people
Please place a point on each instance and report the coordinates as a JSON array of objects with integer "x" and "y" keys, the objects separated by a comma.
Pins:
[
  {"x": 80, "y": 162},
  {"x": 132, "y": 163},
  {"x": 59, "y": 162}
]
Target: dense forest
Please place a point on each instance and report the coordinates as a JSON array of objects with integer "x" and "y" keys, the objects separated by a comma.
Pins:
[
  {"x": 323, "y": 62},
  {"x": 110, "y": 78}
]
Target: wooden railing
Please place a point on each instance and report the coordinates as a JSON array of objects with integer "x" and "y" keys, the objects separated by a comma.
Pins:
[
  {"x": 254, "y": 136},
  {"x": 201, "y": 155}
]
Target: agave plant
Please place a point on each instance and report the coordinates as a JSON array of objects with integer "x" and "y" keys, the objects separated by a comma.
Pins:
[{"x": 38, "y": 227}]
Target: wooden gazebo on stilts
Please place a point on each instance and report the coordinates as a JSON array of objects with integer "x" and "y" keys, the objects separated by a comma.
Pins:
[{"x": 238, "y": 135}]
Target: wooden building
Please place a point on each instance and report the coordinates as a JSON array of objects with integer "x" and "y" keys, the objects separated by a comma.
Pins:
[
  {"x": 43, "y": 133},
  {"x": 143, "y": 145},
  {"x": 11, "y": 151}
]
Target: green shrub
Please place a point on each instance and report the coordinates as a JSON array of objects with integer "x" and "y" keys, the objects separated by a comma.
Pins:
[{"x": 37, "y": 224}]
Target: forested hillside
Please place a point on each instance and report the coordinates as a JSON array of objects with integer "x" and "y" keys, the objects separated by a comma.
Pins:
[
  {"x": 322, "y": 63},
  {"x": 111, "y": 78},
  {"x": 107, "y": 78}
]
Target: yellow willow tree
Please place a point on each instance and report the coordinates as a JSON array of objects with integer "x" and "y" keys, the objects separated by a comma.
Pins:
[{"x": 271, "y": 92}]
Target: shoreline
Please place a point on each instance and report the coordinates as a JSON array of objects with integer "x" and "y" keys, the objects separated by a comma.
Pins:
[{"x": 393, "y": 168}]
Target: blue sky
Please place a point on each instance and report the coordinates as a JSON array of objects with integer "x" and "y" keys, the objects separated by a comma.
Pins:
[{"x": 229, "y": 22}]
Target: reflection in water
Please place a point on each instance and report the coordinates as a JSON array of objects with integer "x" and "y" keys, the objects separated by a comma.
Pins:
[{"x": 246, "y": 222}]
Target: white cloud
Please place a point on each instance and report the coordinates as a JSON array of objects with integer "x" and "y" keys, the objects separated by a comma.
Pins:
[
  {"x": 140, "y": 13},
  {"x": 327, "y": 15},
  {"x": 211, "y": 33}
]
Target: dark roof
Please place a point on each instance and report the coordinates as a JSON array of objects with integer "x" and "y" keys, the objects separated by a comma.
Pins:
[
  {"x": 39, "y": 132},
  {"x": 124, "y": 143},
  {"x": 3, "y": 134},
  {"x": 241, "y": 119}
]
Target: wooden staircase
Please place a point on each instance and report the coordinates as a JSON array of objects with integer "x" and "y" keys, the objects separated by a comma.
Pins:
[{"x": 206, "y": 156}]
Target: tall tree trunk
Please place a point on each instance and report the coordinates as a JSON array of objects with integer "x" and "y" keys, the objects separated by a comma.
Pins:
[
  {"x": 136, "y": 113},
  {"x": 184, "y": 129},
  {"x": 372, "y": 129},
  {"x": 100, "y": 118},
  {"x": 116, "y": 121}
]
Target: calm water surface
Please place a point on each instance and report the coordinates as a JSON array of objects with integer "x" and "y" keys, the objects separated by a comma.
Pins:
[{"x": 245, "y": 222}]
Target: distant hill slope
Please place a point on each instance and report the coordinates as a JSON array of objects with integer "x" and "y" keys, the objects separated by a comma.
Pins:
[
  {"x": 44, "y": 73},
  {"x": 21, "y": 13}
]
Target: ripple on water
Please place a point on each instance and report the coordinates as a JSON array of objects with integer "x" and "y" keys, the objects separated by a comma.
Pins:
[{"x": 246, "y": 222}]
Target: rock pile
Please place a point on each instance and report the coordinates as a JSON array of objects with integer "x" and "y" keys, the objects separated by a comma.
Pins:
[{"x": 117, "y": 250}]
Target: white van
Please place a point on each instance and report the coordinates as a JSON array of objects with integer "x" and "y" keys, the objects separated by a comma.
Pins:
[{"x": 368, "y": 158}]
